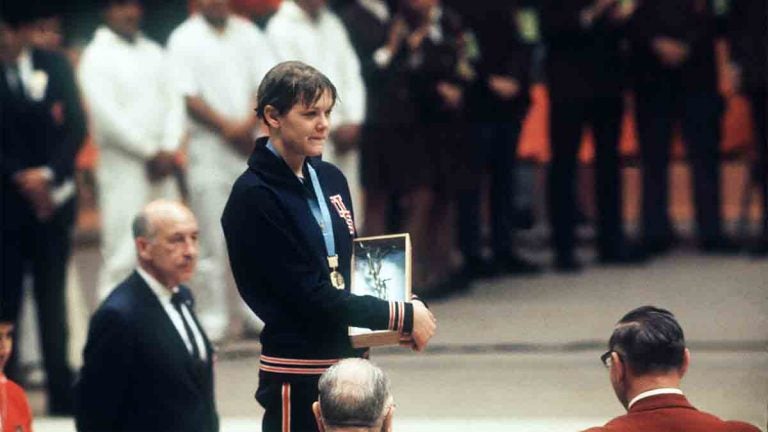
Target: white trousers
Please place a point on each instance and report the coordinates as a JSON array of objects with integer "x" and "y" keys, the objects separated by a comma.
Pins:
[
  {"x": 123, "y": 190},
  {"x": 213, "y": 284}
]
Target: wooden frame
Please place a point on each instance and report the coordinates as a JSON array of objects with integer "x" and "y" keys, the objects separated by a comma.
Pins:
[{"x": 381, "y": 267}]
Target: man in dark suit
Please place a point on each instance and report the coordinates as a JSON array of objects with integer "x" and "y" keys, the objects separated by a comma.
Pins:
[
  {"x": 148, "y": 365},
  {"x": 585, "y": 76},
  {"x": 748, "y": 35},
  {"x": 675, "y": 78},
  {"x": 42, "y": 126},
  {"x": 647, "y": 359},
  {"x": 498, "y": 100}
]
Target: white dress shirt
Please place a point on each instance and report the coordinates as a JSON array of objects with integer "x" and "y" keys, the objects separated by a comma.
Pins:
[
  {"x": 654, "y": 392},
  {"x": 164, "y": 295},
  {"x": 377, "y": 8},
  {"x": 324, "y": 44}
]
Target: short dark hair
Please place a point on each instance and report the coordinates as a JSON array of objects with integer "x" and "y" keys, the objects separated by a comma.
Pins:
[
  {"x": 290, "y": 83},
  {"x": 353, "y": 392},
  {"x": 106, "y": 4},
  {"x": 649, "y": 339},
  {"x": 16, "y": 14}
]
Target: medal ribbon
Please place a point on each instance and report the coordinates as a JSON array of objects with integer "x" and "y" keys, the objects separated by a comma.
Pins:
[
  {"x": 318, "y": 206},
  {"x": 323, "y": 216}
]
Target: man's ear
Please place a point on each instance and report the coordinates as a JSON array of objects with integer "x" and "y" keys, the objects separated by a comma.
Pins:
[
  {"x": 686, "y": 362},
  {"x": 618, "y": 367},
  {"x": 386, "y": 425},
  {"x": 142, "y": 247},
  {"x": 271, "y": 116},
  {"x": 318, "y": 414}
]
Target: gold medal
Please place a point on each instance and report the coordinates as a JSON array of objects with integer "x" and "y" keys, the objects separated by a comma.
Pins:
[{"x": 337, "y": 280}]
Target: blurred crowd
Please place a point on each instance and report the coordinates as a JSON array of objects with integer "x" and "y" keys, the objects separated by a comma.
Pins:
[{"x": 433, "y": 96}]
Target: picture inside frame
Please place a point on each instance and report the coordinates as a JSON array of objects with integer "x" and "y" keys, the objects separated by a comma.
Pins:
[{"x": 381, "y": 267}]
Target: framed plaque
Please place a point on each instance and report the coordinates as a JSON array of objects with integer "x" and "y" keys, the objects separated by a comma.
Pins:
[{"x": 381, "y": 267}]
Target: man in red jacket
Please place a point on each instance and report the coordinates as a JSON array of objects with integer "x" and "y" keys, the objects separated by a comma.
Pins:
[{"x": 647, "y": 359}]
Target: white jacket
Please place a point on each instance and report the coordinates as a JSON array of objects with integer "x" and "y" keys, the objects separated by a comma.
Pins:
[
  {"x": 133, "y": 112},
  {"x": 225, "y": 70},
  {"x": 325, "y": 45}
]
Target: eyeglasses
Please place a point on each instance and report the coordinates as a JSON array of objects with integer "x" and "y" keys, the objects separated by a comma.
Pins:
[{"x": 607, "y": 360}]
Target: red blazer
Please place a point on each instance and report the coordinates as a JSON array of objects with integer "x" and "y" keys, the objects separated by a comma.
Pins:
[{"x": 670, "y": 413}]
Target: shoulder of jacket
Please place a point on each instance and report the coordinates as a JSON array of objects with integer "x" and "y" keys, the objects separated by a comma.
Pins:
[
  {"x": 185, "y": 30},
  {"x": 254, "y": 189},
  {"x": 739, "y": 426},
  {"x": 328, "y": 170}
]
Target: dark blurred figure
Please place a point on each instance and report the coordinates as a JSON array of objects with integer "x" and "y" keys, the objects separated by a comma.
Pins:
[
  {"x": 748, "y": 37},
  {"x": 48, "y": 33},
  {"x": 498, "y": 103},
  {"x": 585, "y": 74},
  {"x": 675, "y": 78},
  {"x": 42, "y": 127},
  {"x": 415, "y": 135},
  {"x": 368, "y": 23}
]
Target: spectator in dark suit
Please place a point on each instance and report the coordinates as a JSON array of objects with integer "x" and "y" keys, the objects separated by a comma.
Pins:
[
  {"x": 675, "y": 78},
  {"x": 42, "y": 128},
  {"x": 498, "y": 103},
  {"x": 647, "y": 359},
  {"x": 354, "y": 396},
  {"x": 585, "y": 75},
  {"x": 368, "y": 25},
  {"x": 749, "y": 38},
  {"x": 418, "y": 138},
  {"x": 148, "y": 365}
]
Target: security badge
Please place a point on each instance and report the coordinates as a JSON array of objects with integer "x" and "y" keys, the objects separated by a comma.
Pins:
[{"x": 337, "y": 280}]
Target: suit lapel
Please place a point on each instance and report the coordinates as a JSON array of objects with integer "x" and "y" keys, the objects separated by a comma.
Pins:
[{"x": 168, "y": 335}]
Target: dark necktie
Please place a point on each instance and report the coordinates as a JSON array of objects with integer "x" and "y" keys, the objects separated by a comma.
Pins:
[{"x": 177, "y": 299}]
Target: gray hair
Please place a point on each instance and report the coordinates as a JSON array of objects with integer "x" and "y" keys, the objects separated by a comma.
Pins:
[
  {"x": 141, "y": 227},
  {"x": 354, "y": 392}
]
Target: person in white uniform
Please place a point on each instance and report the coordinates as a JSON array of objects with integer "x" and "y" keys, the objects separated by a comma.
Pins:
[
  {"x": 137, "y": 126},
  {"x": 218, "y": 61},
  {"x": 307, "y": 31}
]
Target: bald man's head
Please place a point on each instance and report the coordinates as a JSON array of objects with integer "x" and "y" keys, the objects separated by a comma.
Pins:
[
  {"x": 354, "y": 394},
  {"x": 165, "y": 234}
]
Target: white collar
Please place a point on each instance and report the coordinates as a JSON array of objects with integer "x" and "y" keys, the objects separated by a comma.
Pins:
[
  {"x": 655, "y": 392},
  {"x": 162, "y": 293},
  {"x": 210, "y": 28},
  {"x": 377, "y": 8},
  {"x": 107, "y": 34},
  {"x": 24, "y": 62},
  {"x": 293, "y": 11}
]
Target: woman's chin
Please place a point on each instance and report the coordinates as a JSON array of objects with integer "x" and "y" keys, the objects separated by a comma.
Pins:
[{"x": 315, "y": 150}]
